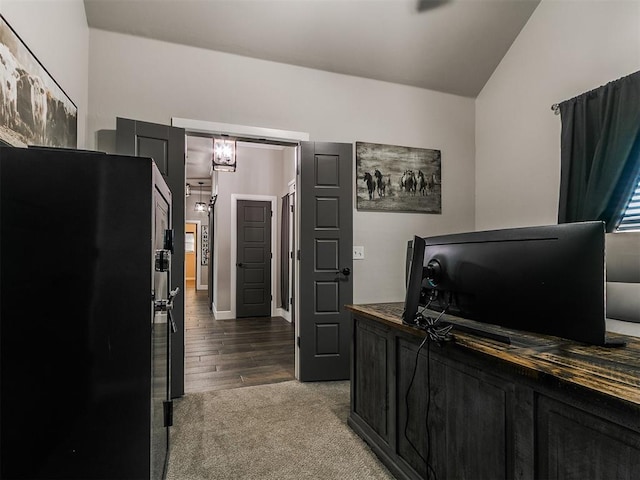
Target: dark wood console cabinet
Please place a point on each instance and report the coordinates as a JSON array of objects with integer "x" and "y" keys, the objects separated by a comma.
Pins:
[{"x": 540, "y": 407}]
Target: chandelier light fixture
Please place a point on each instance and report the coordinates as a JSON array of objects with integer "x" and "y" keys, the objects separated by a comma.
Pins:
[
  {"x": 200, "y": 206},
  {"x": 224, "y": 155}
]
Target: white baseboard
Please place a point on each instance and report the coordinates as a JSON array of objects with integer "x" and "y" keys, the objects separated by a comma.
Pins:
[
  {"x": 281, "y": 312},
  {"x": 228, "y": 315},
  {"x": 221, "y": 315}
]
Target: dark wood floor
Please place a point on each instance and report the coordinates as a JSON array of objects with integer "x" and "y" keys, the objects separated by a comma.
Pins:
[{"x": 223, "y": 354}]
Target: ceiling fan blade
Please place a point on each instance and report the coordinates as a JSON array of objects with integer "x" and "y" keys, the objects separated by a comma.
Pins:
[{"x": 424, "y": 5}]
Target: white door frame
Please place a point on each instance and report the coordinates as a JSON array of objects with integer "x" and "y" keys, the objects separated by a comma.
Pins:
[
  {"x": 197, "y": 222},
  {"x": 288, "y": 314},
  {"x": 215, "y": 128},
  {"x": 199, "y": 284}
]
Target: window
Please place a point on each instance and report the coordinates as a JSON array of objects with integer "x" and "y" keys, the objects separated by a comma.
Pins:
[
  {"x": 631, "y": 218},
  {"x": 599, "y": 155}
]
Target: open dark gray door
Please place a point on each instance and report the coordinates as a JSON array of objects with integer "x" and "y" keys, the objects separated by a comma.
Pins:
[
  {"x": 326, "y": 238},
  {"x": 212, "y": 265},
  {"x": 253, "y": 264},
  {"x": 165, "y": 144}
]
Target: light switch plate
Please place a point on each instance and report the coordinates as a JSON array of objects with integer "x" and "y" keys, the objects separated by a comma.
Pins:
[{"x": 358, "y": 253}]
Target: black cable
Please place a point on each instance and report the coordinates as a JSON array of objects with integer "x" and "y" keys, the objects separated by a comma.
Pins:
[
  {"x": 437, "y": 334},
  {"x": 406, "y": 399},
  {"x": 432, "y": 297}
]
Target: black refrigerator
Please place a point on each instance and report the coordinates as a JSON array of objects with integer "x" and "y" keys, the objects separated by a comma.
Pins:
[{"x": 85, "y": 315}]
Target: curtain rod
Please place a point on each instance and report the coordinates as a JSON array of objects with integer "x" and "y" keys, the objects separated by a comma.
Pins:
[{"x": 556, "y": 106}]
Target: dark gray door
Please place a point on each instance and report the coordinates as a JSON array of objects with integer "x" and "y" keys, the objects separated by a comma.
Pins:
[
  {"x": 165, "y": 145},
  {"x": 212, "y": 265},
  {"x": 326, "y": 237},
  {"x": 253, "y": 262}
]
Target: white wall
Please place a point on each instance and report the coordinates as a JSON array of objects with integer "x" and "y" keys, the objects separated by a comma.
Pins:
[
  {"x": 153, "y": 81},
  {"x": 566, "y": 48},
  {"x": 57, "y": 34}
]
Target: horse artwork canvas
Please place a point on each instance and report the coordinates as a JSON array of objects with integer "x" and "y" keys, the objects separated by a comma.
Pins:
[
  {"x": 34, "y": 110},
  {"x": 398, "y": 179}
]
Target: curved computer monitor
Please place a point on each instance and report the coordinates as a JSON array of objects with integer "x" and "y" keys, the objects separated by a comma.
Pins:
[{"x": 547, "y": 279}]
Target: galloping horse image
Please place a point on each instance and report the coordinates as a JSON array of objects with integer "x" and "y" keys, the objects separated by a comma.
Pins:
[
  {"x": 408, "y": 182},
  {"x": 370, "y": 184},
  {"x": 431, "y": 181},
  {"x": 381, "y": 186},
  {"x": 422, "y": 183}
]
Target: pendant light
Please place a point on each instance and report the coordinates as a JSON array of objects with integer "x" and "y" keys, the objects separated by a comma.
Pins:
[
  {"x": 224, "y": 154},
  {"x": 200, "y": 206}
]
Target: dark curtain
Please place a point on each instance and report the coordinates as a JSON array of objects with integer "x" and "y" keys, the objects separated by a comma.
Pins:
[
  {"x": 600, "y": 148},
  {"x": 284, "y": 254}
]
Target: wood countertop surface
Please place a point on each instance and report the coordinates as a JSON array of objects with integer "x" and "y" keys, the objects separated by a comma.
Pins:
[{"x": 612, "y": 371}]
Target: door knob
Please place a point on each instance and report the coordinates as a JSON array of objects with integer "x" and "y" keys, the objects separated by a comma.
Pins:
[
  {"x": 345, "y": 271},
  {"x": 239, "y": 265}
]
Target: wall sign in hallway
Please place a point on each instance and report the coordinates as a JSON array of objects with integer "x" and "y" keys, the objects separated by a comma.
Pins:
[{"x": 204, "y": 242}]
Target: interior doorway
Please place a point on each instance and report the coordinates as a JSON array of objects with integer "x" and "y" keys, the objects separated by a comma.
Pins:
[
  {"x": 197, "y": 234},
  {"x": 252, "y": 142},
  {"x": 266, "y": 339},
  {"x": 190, "y": 256},
  {"x": 265, "y": 170}
]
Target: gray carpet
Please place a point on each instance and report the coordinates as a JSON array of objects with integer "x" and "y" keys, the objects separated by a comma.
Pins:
[{"x": 288, "y": 430}]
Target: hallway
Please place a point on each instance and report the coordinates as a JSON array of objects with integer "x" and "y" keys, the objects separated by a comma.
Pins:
[{"x": 226, "y": 354}]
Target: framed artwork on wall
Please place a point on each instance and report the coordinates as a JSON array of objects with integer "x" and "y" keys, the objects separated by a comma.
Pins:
[
  {"x": 392, "y": 178},
  {"x": 204, "y": 243},
  {"x": 34, "y": 110}
]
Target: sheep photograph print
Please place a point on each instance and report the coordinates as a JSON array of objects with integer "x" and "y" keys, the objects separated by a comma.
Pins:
[
  {"x": 397, "y": 179},
  {"x": 34, "y": 110}
]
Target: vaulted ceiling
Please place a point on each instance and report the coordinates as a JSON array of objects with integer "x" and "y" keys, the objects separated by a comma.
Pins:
[{"x": 450, "y": 46}]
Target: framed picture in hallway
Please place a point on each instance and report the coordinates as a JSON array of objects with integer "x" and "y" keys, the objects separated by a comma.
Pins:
[
  {"x": 34, "y": 110},
  {"x": 204, "y": 243},
  {"x": 393, "y": 178}
]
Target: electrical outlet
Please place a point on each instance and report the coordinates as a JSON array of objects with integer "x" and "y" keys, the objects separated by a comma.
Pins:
[{"x": 358, "y": 253}]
